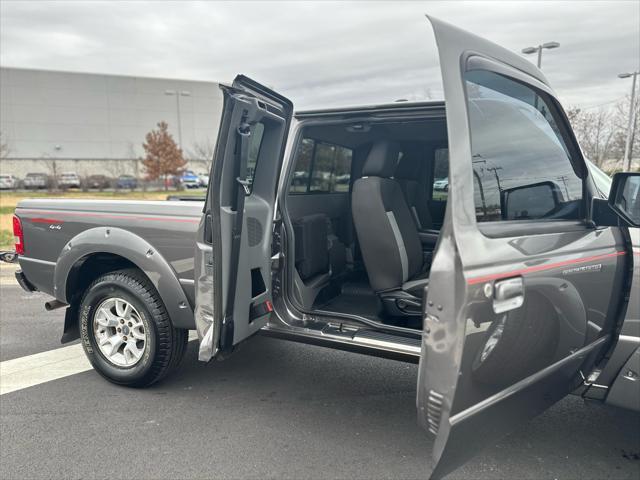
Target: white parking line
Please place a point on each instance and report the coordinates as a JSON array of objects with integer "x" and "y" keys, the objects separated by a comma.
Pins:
[
  {"x": 42, "y": 367},
  {"x": 25, "y": 372}
]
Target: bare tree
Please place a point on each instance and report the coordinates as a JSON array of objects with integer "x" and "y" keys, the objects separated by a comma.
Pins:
[
  {"x": 115, "y": 168},
  {"x": 135, "y": 160},
  {"x": 52, "y": 167},
  {"x": 203, "y": 151},
  {"x": 620, "y": 121},
  {"x": 4, "y": 148},
  {"x": 595, "y": 133},
  {"x": 602, "y": 133}
]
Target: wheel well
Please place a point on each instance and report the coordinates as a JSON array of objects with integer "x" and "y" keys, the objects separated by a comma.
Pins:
[{"x": 88, "y": 268}]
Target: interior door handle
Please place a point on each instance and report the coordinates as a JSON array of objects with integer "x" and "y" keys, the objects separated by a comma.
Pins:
[
  {"x": 246, "y": 184},
  {"x": 508, "y": 294}
]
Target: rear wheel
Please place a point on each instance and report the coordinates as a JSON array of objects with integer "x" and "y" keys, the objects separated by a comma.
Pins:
[{"x": 126, "y": 331}]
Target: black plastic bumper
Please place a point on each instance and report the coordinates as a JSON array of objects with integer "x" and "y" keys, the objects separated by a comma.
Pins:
[{"x": 24, "y": 283}]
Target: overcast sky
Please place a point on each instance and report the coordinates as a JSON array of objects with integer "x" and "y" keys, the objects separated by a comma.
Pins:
[{"x": 321, "y": 53}]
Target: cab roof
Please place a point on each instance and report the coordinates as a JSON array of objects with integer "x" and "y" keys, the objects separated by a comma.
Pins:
[{"x": 384, "y": 109}]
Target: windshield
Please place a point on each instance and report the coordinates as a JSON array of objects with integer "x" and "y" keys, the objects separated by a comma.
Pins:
[{"x": 601, "y": 179}]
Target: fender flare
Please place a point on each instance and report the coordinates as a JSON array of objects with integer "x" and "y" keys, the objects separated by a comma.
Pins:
[{"x": 138, "y": 251}]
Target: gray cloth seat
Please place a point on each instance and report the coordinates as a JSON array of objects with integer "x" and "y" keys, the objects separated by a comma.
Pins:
[
  {"x": 408, "y": 174},
  {"x": 387, "y": 233}
]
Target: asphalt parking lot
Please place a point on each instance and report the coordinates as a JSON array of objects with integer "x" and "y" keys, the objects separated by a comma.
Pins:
[{"x": 273, "y": 410}]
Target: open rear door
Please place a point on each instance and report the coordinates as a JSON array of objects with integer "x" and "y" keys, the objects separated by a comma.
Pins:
[
  {"x": 233, "y": 250},
  {"x": 524, "y": 291}
]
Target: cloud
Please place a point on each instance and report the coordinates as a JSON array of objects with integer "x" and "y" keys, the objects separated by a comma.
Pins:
[{"x": 321, "y": 53}]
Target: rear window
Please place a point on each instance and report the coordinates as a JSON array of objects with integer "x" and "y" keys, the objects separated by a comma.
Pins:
[{"x": 321, "y": 167}]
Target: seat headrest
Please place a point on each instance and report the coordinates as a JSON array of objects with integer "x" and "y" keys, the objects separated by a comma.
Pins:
[{"x": 382, "y": 159}]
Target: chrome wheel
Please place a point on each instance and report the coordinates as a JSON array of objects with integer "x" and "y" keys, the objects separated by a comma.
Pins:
[{"x": 119, "y": 332}]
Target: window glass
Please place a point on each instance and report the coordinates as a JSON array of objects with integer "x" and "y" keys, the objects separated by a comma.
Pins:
[
  {"x": 342, "y": 170},
  {"x": 521, "y": 162},
  {"x": 440, "y": 174},
  {"x": 321, "y": 168},
  {"x": 300, "y": 180},
  {"x": 323, "y": 164},
  {"x": 601, "y": 179},
  {"x": 255, "y": 140}
]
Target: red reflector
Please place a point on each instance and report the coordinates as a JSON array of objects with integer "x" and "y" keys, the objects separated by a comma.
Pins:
[
  {"x": 18, "y": 235},
  {"x": 269, "y": 306}
]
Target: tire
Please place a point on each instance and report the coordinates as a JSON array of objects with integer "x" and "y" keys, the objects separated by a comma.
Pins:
[{"x": 159, "y": 348}]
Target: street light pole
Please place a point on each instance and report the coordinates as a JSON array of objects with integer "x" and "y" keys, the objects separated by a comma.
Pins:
[
  {"x": 178, "y": 94},
  {"x": 539, "y": 62},
  {"x": 632, "y": 112},
  {"x": 538, "y": 49}
]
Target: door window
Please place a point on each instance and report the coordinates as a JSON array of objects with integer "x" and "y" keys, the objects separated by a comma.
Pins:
[
  {"x": 321, "y": 168},
  {"x": 522, "y": 166},
  {"x": 300, "y": 179}
]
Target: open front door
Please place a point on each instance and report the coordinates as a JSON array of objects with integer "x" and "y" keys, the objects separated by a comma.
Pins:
[
  {"x": 233, "y": 251},
  {"x": 524, "y": 292}
]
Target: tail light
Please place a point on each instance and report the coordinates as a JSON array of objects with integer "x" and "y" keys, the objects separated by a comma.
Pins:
[{"x": 18, "y": 235}]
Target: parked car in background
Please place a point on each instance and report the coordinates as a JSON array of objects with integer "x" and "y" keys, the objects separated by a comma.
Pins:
[
  {"x": 170, "y": 181},
  {"x": 98, "y": 181},
  {"x": 69, "y": 180},
  {"x": 204, "y": 179},
  {"x": 35, "y": 180},
  {"x": 127, "y": 182},
  {"x": 441, "y": 184},
  {"x": 8, "y": 182},
  {"x": 189, "y": 180}
]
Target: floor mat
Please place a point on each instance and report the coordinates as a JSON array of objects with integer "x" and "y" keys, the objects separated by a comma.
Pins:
[{"x": 366, "y": 305}]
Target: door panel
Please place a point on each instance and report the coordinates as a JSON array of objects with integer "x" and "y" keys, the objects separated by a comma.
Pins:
[
  {"x": 524, "y": 293},
  {"x": 233, "y": 251}
]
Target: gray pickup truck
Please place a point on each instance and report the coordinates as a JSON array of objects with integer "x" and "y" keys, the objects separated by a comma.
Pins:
[{"x": 473, "y": 239}]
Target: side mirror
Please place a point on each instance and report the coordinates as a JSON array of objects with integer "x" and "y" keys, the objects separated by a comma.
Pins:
[
  {"x": 624, "y": 197},
  {"x": 536, "y": 200}
]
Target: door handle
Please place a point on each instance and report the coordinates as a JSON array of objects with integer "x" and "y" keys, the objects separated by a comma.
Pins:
[
  {"x": 508, "y": 294},
  {"x": 246, "y": 184}
]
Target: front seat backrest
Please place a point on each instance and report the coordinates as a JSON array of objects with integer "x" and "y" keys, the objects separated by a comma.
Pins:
[
  {"x": 409, "y": 176},
  {"x": 386, "y": 231}
]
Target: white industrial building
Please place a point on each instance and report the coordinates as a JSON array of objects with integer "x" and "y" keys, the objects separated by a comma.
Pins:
[{"x": 95, "y": 124}]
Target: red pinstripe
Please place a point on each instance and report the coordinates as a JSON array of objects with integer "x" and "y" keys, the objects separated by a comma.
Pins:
[
  {"x": 539, "y": 268},
  {"x": 106, "y": 215}
]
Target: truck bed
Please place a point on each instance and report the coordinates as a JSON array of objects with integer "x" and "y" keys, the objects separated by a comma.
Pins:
[{"x": 49, "y": 224}]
